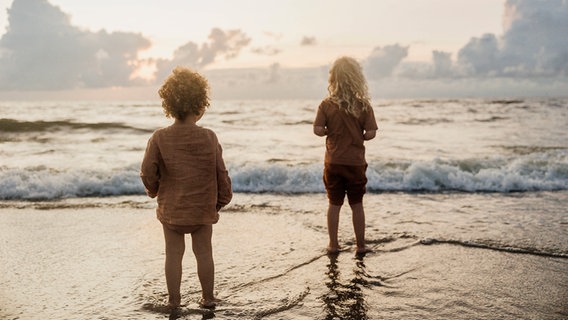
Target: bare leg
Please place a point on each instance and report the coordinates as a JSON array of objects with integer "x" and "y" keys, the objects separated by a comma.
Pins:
[
  {"x": 201, "y": 243},
  {"x": 359, "y": 226},
  {"x": 175, "y": 247},
  {"x": 332, "y": 226}
]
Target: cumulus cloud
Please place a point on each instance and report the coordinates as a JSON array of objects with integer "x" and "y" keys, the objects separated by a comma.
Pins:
[
  {"x": 481, "y": 56},
  {"x": 41, "y": 50},
  {"x": 534, "y": 42},
  {"x": 221, "y": 43},
  {"x": 382, "y": 61},
  {"x": 533, "y": 45},
  {"x": 440, "y": 67},
  {"x": 442, "y": 63}
]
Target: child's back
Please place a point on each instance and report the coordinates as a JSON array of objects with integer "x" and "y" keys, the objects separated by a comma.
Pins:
[
  {"x": 183, "y": 166},
  {"x": 188, "y": 158},
  {"x": 347, "y": 119}
]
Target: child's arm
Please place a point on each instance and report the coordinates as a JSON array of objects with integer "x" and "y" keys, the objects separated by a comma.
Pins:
[
  {"x": 149, "y": 171},
  {"x": 320, "y": 122},
  {"x": 370, "y": 128},
  {"x": 224, "y": 188},
  {"x": 320, "y": 131},
  {"x": 369, "y": 134}
]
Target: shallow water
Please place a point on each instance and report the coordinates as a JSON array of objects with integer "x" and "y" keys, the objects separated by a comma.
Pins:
[{"x": 436, "y": 256}]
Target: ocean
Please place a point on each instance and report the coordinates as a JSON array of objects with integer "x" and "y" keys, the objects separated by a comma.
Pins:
[{"x": 466, "y": 212}]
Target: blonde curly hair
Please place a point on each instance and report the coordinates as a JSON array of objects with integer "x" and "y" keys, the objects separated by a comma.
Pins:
[
  {"x": 348, "y": 87},
  {"x": 184, "y": 92}
]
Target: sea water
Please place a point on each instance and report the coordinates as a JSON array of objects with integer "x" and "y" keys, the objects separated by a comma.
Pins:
[
  {"x": 53, "y": 150},
  {"x": 466, "y": 212}
]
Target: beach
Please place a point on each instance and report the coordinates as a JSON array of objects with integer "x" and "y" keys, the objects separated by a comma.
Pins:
[
  {"x": 465, "y": 213},
  {"x": 102, "y": 258}
]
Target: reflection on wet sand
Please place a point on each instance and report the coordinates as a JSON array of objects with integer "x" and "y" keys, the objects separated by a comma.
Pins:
[{"x": 345, "y": 299}]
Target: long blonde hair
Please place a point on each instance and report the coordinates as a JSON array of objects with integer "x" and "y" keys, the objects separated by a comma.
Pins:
[{"x": 348, "y": 87}]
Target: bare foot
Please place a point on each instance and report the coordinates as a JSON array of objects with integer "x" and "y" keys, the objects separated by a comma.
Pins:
[{"x": 209, "y": 303}]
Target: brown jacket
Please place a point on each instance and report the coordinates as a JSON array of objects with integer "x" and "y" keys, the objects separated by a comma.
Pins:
[
  {"x": 344, "y": 142},
  {"x": 183, "y": 165}
]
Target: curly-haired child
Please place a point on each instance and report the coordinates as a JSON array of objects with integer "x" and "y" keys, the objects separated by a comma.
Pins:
[{"x": 183, "y": 166}]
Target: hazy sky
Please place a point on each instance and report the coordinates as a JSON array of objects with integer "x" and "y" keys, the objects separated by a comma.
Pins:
[{"x": 263, "y": 48}]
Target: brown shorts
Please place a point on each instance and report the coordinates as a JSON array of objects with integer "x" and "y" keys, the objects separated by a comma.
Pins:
[
  {"x": 342, "y": 179},
  {"x": 182, "y": 229}
]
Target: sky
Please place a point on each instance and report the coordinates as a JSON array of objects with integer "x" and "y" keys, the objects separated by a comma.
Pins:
[{"x": 282, "y": 49}]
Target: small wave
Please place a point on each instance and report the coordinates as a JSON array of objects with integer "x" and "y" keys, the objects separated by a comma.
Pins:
[
  {"x": 492, "y": 119},
  {"x": 524, "y": 150},
  {"x": 546, "y": 171},
  {"x": 397, "y": 243},
  {"x": 297, "y": 123},
  {"x": 512, "y": 101},
  {"x": 276, "y": 177},
  {"x": 16, "y": 126},
  {"x": 429, "y": 121},
  {"x": 532, "y": 172},
  {"x": 496, "y": 246},
  {"x": 41, "y": 183}
]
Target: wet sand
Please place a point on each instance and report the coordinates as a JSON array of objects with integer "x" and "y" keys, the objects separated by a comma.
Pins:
[{"x": 103, "y": 259}]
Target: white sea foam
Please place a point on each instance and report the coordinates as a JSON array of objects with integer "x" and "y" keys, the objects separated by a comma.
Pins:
[
  {"x": 533, "y": 172},
  {"x": 42, "y": 183}
]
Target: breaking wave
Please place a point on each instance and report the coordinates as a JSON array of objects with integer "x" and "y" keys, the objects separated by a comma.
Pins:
[{"x": 546, "y": 171}]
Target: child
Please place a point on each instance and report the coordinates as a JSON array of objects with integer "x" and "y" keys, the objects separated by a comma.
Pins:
[
  {"x": 347, "y": 118},
  {"x": 183, "y": 166}
]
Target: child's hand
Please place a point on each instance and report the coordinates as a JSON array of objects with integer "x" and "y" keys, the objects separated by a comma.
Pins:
[
  {"x": 150, "y": 194},
  {"x": 320, "y": 131}
]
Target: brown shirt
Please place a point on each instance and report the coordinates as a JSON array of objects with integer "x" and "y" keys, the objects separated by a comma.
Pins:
[
  {"x": 344, "y": 142},
  {"x": 183, "y": 165}
]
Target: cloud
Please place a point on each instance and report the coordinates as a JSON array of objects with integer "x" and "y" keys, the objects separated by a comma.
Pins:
[
  {"x": 41, "y": 50},
  {"x": 308, "y": 41},
  {"x": 481, "y": 56},
  {"x": 273, "y": 35},
  {"x": 266, "y": 51},
  {"x": 221, "y": 43},
  {"x": 442, "y": 63},
  {"x": 382, "y": 61},
  {"x": 440, "y": 67},
  {"x": 534, "y": 43}
]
